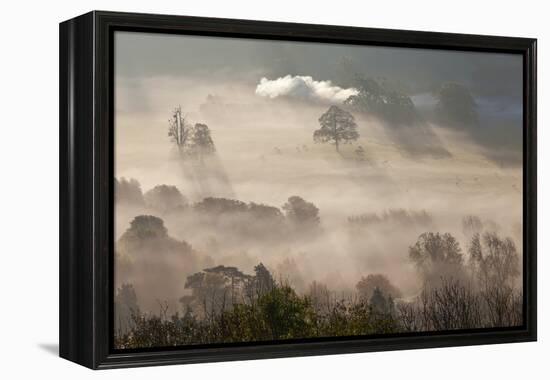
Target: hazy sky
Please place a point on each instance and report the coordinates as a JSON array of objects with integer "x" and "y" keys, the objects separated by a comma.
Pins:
[{"x": 144, "y": 55}]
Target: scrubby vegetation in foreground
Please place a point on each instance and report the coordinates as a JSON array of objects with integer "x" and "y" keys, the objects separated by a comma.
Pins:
[{"x": 226, "y": 305}]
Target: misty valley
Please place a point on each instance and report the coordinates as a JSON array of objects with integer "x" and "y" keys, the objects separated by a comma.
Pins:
[
  {"x": 219, "y": 269},
  {"x": 255, "y": 203},
  {"x": 459, "y": 289}
]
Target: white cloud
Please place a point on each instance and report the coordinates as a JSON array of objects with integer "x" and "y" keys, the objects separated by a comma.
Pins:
[{"x": 304, "y": 87}]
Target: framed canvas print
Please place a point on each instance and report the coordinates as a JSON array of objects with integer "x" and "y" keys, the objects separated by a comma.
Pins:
[{"x": 237, "y": 189}]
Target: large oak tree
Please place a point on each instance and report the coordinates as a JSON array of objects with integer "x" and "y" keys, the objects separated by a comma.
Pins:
[{"x": 337, "y": 127}]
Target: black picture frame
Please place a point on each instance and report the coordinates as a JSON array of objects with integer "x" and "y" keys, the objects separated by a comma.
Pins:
[{"x": 86, "y": 187}]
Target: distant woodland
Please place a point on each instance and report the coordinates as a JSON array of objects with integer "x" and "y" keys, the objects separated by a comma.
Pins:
[{"x": 467, "y": 287}]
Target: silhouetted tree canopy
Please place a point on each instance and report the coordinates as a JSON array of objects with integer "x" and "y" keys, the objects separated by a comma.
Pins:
[
  {"x": 201, "y": 140},
  {"x": 212, "y": 205},
  {"x": 263, "y": 281},
  {"x": 179, "y": 130},
  {"x": 337, "y": 127},
  {"x": 165, "y": 198},
  {"x": 456, "y": 105},
  {"x": 264, "y": 212},
  {"x": 155, "y": 263},
  {"x": 193, "y": 141},
  {"x": 390, "y": 105},
  {"x": 252, "y": 221},
  {"x": 128, "y": 191},
  {"x": 436, "y": 254},
  {"x": 301, "y": 212},
  {"x": 495, "y": 259},
  {"x": 220, "y": 205},
  {"x": 148, "y": 236},
  {"x": 218, "y": 289},
  {"x": 496, "y": 265},
  {"x": 147, "y": 226},
  {"x": 210, "y": 293}
]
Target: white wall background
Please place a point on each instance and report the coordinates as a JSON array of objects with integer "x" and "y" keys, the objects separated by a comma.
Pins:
[{"x": 29, "y": 187}]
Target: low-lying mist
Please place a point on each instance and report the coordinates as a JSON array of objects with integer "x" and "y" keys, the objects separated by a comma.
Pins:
[{"x": 372, "y": 206}]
